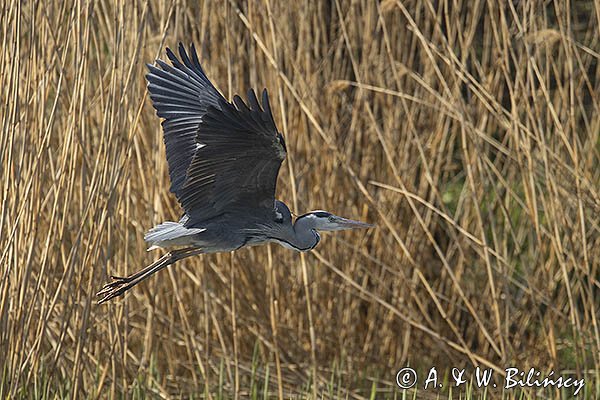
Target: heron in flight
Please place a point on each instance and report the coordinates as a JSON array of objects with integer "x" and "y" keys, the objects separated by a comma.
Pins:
[{"x": 223, "y": 159}]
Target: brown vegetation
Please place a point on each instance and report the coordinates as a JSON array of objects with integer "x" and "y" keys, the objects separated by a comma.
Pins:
[{"x": 468, "y": 131}]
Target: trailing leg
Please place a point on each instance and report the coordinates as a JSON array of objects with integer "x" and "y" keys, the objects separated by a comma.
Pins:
[{"x": 120, "y": 285}]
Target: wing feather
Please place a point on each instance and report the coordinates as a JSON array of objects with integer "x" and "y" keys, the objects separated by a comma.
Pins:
[
  {"x": 221, "y": 155},
  {"x": 242, "y": 155},
  {"x": 181, "y": 94}
]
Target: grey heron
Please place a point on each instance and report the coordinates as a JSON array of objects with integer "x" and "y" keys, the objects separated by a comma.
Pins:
[{"x": 223, "y": 160}]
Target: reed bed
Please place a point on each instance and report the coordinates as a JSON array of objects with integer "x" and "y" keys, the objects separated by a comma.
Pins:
[{"x": 468, "y": 131}]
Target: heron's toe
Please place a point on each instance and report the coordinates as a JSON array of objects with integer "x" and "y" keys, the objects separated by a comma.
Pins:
[
  {"x": 121, "y": 278},
  {"x": 113, "y": 289}
]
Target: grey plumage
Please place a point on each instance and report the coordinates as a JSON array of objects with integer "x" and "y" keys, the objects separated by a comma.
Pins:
[
  {"x": 224, "y": 158},
  {"x": 181, "y": 94}
]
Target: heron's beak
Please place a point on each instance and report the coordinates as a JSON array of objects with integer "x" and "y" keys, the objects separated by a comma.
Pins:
[{"x": 344, "y": 223}]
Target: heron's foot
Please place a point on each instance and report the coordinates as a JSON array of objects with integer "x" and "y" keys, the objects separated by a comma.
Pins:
[
  {"x": 116, "y": 288},
  {"x": 120, "y": 285}
]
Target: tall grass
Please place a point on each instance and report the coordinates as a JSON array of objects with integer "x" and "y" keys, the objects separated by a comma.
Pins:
[{"x": 468, "y": 131}]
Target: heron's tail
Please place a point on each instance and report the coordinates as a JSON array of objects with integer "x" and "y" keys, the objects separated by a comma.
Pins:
[{"x": 170, "y": 234}]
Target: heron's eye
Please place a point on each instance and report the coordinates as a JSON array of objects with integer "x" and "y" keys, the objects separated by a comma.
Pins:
[{"x": 330, "y": 218}]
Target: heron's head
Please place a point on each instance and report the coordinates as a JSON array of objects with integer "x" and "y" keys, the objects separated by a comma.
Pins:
[{"x": 326, "y": 221}]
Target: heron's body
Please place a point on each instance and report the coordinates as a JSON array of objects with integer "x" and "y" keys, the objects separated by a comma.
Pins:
[
  {"x": 224, "y": 158},
  {"x": 227, "y": 232}
]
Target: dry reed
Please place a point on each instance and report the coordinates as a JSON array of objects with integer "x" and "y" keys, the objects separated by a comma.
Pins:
[{"x": 468, "y": 131}]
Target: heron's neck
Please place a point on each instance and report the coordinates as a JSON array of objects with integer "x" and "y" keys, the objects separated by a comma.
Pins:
[{"x": 304, "y": 237}]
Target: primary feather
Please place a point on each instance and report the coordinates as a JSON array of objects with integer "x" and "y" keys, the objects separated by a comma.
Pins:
[{"x": 221, "y": 154}]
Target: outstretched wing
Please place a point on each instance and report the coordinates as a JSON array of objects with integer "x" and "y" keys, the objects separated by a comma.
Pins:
[
  {"x": 237, "y": 162},
  {"x": 181, "y": 94},
  {"x": 221, "y": 155}
]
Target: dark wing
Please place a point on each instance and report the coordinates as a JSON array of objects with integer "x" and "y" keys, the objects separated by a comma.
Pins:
[
  {"x": 221, "y": 155},
  {"x": 238, "y": 161},
  {"x": 181, "y": 94}
]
